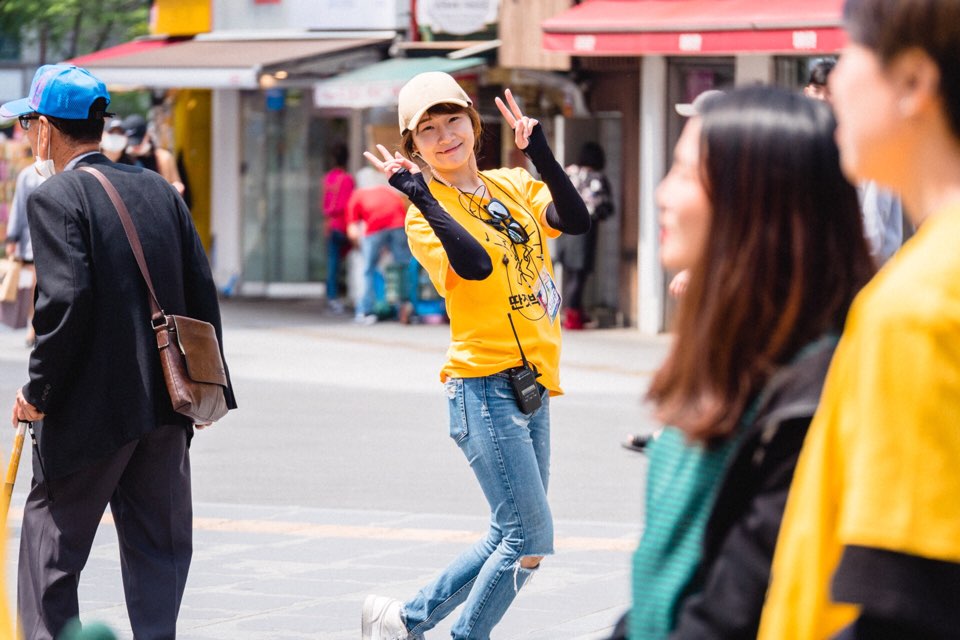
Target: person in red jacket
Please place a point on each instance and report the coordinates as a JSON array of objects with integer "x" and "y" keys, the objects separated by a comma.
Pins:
[
  {"x": 375, "y": 216},
  {"x": 337, "y": 186}
]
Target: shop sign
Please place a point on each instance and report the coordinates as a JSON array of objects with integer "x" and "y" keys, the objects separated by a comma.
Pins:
[
  {"x": 690, "y": 42},
  {"x": 457, "y": 17},
  {"x": 347, "y": 14},
  {"x": 585, "y": 42},
  {"x": 276, "y": 99},
  {"x": 805, "y": 40}
]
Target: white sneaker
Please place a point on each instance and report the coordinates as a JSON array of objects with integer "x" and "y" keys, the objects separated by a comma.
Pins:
[{"x": 381, "y": 619}]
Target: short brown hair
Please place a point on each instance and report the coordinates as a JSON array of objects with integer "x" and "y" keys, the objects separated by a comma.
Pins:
[
  {"x": 784, "y": 257},
  {"x": 407, "y": 147},
  {"x": 890, "y": 27}
]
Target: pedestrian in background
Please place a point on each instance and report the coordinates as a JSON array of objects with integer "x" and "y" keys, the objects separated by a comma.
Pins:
[
  {"x": 114, "y": 141},
  {"x": 338, "y": 185},
  {"x": 481, "y": 236},
  {"x": 817, "y": 87},
  {"x": 754, "y": 206},
  {"x": 18, "y": 244},
  {"x": 106, "y": 430},
  {"x": 375, "y": 215},
  {"x": 883, "y": 216},
  {"x": 577, "y": 253},
  {"x": 870, "y": 544},
  {"x": 143, "y": 149}
]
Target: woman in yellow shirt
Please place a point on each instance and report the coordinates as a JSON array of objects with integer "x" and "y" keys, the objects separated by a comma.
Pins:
[
  {"x": 870, "y": 542},
  {"x": 481, "y": 236}
]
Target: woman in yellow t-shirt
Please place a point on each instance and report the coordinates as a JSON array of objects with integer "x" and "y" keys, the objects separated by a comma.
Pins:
[
  {"x": 870, "y": 542},
  {"x": 481, "y": 236}
]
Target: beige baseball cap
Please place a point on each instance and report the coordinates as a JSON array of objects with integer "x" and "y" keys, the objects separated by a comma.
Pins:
[{"x": 428, "y": 90}]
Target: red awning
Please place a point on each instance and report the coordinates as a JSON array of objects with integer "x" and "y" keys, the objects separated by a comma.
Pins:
[
  {"x": 125, "y": 49},
  {"x": 696, "y": 27}
]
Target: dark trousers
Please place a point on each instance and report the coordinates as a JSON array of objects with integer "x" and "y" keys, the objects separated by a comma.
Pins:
[
  {"x": 574, "y": 281},
  {"x": 337, "y": 244},
  {"x": 147, "y": 485}
]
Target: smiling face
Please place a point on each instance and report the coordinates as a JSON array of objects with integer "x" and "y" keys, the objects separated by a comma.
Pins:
[
  {"x": 445, "y": 141},
  {"x": 685, "y": 209}
]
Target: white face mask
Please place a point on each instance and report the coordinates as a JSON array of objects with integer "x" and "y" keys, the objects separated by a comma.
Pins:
[
  {"x": 113, "y": 142},
  {"x": 45, "y": 168}
]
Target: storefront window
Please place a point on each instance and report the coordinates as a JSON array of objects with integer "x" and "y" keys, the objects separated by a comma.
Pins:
[
  {"x": 688, "y": 78},
  {"x": 275, "y": 178},
  {"x": 323, "y": 134}
]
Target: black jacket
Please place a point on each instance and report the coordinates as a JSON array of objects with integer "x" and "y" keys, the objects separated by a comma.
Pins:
[
  {"x": 742, "y": 530},
  {"x": 95, "y": 371}
]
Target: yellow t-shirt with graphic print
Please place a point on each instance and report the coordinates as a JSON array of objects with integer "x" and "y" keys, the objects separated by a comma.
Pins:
[
  {"x": 880, "y": 466},
  {"x": 481, "y": 341}
]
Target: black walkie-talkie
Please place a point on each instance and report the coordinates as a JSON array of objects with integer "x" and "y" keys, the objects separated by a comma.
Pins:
[{"x": 524, "y": 379}]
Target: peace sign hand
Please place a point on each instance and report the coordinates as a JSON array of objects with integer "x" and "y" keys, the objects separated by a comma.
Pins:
[
  {"x": 390, "y": 163},
  {"x": 403, "y": 174},
  {"x": 522, "y": 125}
]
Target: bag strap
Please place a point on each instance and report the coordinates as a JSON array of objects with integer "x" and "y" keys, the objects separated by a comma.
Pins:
[{"x": 132, "y": 236}]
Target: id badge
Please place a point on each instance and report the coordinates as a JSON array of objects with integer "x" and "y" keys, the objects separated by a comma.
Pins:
[{"x": 547, "y": 294}]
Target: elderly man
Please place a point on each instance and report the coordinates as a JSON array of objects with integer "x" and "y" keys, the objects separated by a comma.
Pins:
[{"x": 107, "y": 432}]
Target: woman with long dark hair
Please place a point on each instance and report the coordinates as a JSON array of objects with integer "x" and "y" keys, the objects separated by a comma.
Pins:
[
  {"x": 755, "y": 206},
  {"x": 870, "y": 546}
]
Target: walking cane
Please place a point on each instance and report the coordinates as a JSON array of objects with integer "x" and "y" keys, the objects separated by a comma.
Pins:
[{"x": 12, "y": 469}]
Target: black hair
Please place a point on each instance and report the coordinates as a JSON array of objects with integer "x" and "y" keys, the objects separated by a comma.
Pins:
[
  {"x": 889, "y": 27},
  {"x": 820, "y": 72},
  {"x": 339, "y": 154},
  {"x": 591, "y": 155},
  {"x": 86, "y": 130}
]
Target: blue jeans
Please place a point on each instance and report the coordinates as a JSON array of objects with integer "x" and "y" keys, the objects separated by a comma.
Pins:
[
  {"x": 395, "y": 240},
  {"x": 509, "y": 453},
  {"x": 335, "y": 243}
]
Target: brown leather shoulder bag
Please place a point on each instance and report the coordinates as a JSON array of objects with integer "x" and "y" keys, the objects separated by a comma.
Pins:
[{"x": 189, "y": 349}]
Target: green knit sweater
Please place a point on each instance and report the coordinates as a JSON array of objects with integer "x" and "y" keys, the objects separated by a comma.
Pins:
[{"x": 682, "y": 483}]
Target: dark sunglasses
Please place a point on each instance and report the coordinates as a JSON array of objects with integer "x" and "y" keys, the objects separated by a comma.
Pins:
[
  {"x": 501, "y": 220},
  {"x": 25, "y": 120}
]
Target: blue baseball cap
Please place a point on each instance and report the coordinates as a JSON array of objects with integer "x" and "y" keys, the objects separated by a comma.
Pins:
[{"x": 59, "y": 91}]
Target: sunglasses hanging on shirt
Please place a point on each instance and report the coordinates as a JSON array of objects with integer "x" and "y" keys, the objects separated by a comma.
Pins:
[
  {"x": 500, "y": 217},
  {"x": 501, "y": 220}
]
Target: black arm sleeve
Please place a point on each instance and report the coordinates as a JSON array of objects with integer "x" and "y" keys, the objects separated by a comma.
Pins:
[
  {"x": 568, "y": 213},
  {"x": 898, "y": 591},
  {"x": 468, "y": 258}
]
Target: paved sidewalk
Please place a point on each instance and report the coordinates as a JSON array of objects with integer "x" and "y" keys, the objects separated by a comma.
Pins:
[
  {"x": 290, "y": 573},
  {"x": 303, "y": 568}
]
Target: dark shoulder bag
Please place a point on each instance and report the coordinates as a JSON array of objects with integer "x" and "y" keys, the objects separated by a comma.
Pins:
[{"x": 189, "y": 350}]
